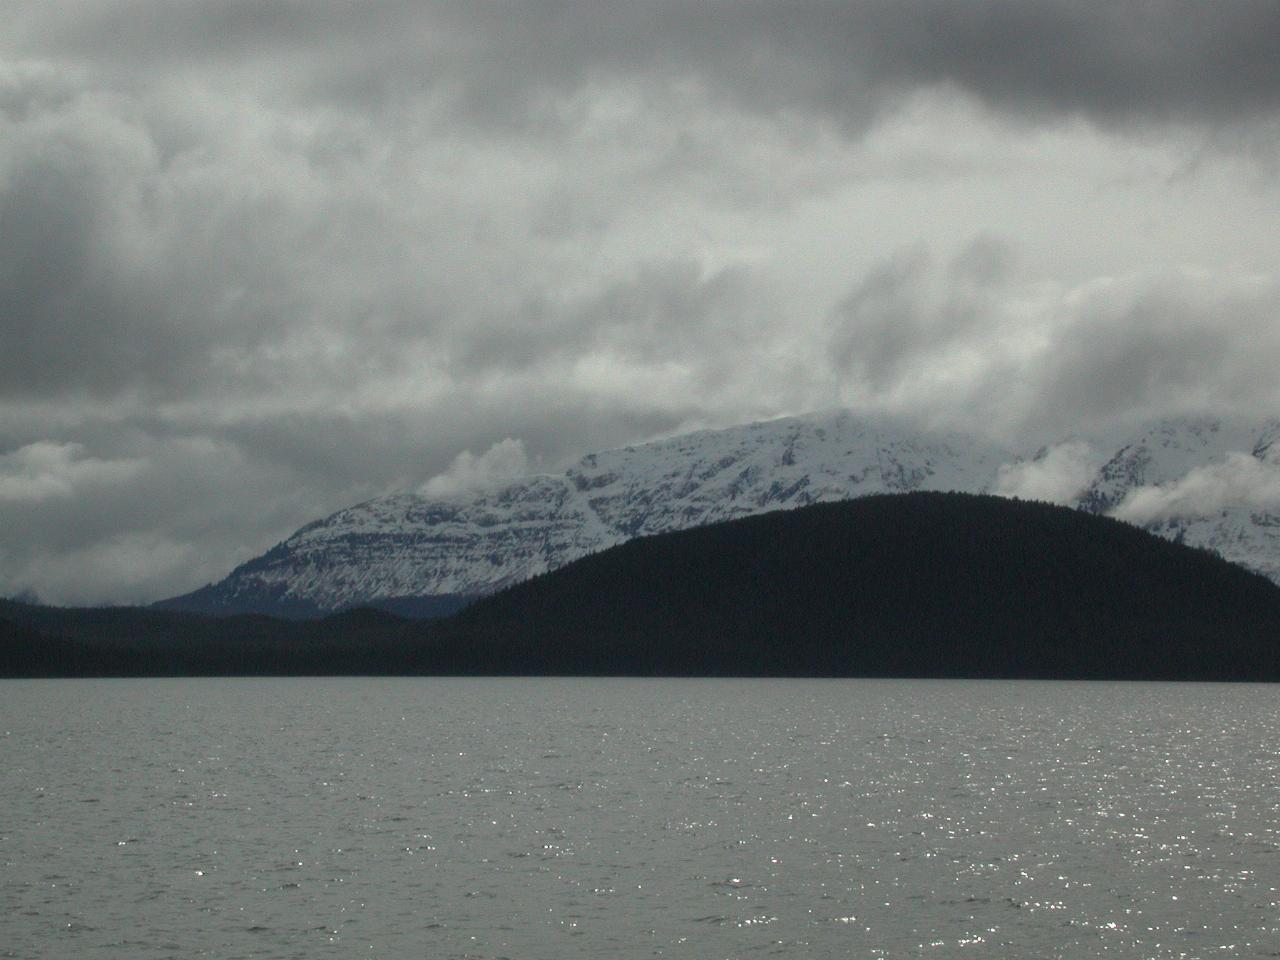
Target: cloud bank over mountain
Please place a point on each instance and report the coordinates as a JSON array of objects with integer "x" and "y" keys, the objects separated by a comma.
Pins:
[
  {"x": 1057, "y": 474},
  {"x": 1239, "y": 480},
  {"x": 262, "y": 260}
]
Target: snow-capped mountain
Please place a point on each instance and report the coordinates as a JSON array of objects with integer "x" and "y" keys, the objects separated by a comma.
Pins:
[
  {"x": 1207, "y": 482},
  {"x": 409, "y": 545},
  {"x": 1194, "y": 480},
  {"x": 1166, "y": 451}
]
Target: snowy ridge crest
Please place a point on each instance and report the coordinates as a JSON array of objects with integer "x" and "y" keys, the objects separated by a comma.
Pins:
[{"x": 1203, "y": 481}]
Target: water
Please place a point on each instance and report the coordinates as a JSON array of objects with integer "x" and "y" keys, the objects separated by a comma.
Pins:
[{"x": 554, "y": 818}]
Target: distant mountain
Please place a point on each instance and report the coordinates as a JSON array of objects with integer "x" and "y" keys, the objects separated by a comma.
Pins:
[
  {"x": 914, "y": 585},
  {"x": 422, "y": 556},
  {"x": 394, "y": 550}
]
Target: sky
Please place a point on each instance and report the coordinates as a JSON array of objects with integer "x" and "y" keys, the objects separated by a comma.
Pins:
[{"x": 263, "y": 259}]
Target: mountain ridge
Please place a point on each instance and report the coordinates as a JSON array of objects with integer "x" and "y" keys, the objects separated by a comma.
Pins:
[
  {"x": 428, "y": 556},
  {"x": 922, "y": 584}
]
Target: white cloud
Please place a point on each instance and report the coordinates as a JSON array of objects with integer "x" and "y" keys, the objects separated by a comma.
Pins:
[
  {"x": 1057, "y": 474},
  {"x": 44, "y": 470},
  {"x": 1239, "y": 480},
  {"x": 502, "y": 461}
]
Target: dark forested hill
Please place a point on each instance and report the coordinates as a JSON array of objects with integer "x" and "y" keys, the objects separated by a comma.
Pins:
[
  {"x": 921, "y": 584},
  {"x": 139, "y": 641}
]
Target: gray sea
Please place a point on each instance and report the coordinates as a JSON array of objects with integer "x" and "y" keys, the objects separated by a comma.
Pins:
[{"x": 558, "y": 818}]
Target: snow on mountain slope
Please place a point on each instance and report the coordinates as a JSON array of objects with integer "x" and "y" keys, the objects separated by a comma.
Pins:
[
  {"x": 715, "y": 475},
  {"x": 409, "y": 545},
  {"x": 1207, "y": 482},
  {"x": 1166, "y": 451}
]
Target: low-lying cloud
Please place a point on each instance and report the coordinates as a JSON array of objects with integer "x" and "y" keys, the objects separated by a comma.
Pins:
[
  {"x": 1057, "y": 474},
  {"x": 502, "y": 461},
  {"x": 1240, "y": 480}
]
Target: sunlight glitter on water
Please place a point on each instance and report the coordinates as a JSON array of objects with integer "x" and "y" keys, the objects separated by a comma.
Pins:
[{"x": 663, "y": 818}]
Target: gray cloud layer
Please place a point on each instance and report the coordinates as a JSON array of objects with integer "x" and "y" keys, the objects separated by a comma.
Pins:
[
  {"x": 261, "y": 259},
  {"x": 1168, "y": 60}
]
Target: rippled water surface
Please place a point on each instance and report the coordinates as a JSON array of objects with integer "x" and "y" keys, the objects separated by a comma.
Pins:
[{"x": 555, "y": 818}]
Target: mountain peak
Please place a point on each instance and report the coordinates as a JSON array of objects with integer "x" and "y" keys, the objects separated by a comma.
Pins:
[{"x": 408, "y": 546}]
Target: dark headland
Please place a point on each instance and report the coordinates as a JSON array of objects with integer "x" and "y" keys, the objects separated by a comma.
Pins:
[{"x": 911, "y": 585}]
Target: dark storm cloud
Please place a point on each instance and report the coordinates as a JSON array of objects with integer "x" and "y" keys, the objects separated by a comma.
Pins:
[
  {"x": 1166, "y": 342},
  {"x": 890, "y": 319},
  {"x": 1132, "y": 61},
  {"x": 1170, "y": 60},
  {"x": 1037, "y": 360},
  {"x": 661, "y": 311},
  {"x": 130, "y": 265},
  {"x": 110, "y": 278},
  {"x": 75, "y": 312}
]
